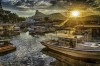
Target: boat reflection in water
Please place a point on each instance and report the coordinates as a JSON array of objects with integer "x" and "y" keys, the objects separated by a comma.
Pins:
[{"x": 64, "y": 60}]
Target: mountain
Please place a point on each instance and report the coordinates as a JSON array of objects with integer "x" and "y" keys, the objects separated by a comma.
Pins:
[
  {"x": 56, "y": 16},
  {"x": 38, "y": 15}
]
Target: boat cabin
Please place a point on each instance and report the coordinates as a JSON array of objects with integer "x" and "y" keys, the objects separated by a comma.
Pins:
[{"x": 90, "y": 32}]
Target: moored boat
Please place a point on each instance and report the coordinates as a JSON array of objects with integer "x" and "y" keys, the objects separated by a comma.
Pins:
[
  {"x": 6, "y": 46},
  {"x": 64, "y": 60},
  {"x": 9, "y": 29},
  {"x": 80, "y": 52},
  {"x": 40, "y": 30},
  {"x": 84, "y": 44}
]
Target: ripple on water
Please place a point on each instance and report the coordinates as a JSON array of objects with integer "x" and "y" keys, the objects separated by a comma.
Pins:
[{"x": 27, "y": 53}]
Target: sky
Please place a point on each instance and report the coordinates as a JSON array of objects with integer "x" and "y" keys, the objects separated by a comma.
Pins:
[{"x": 27, "y": 8}]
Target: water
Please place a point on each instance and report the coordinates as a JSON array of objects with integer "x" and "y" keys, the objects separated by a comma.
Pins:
[{"x": 30, "y": 52}]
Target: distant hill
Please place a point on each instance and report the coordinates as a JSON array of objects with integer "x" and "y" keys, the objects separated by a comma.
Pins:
[
  {"x": 38, "y": 15},
  {"x": 52, "y": 17},
  {"x": 56, "y": 16}
]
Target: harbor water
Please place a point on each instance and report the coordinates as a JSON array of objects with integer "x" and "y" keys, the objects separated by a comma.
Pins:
[{"x": 30, "y": 52}]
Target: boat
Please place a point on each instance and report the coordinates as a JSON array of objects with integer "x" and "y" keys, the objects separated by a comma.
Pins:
[
  {"x": 36, "y": 30},
  {"x": 40, "y": 30},
  {"x": 6, "y": 46},
  {"x": 63, "y": 60},
  {"x": 84, "y": 43},
  {"x": 9, "y": 29}
]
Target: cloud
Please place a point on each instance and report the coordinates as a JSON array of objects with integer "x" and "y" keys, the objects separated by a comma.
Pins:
[
  {"x": 23, "y": 8},
  {"x": 42, "y": 4}
]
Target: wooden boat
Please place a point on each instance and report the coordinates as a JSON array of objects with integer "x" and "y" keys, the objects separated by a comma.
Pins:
[
  {"x": 80, "y": 50},
  {"x": 40, "y": 30},
  {"x": 6, "y": 46},
  {"x": 64, "y": 60},
  {"x": 87, "y": 45}
]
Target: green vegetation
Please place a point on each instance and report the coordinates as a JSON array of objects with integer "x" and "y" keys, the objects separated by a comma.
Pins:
[{"x": 8, "y": 17}]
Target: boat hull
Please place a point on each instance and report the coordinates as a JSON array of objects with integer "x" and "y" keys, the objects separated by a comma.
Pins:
[
  {"x": 90, "y": 55},
  {"x": 7, "y": 48}
]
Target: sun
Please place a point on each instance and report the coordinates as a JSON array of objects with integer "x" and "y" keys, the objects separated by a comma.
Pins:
[{"x": 75, "y": 13}]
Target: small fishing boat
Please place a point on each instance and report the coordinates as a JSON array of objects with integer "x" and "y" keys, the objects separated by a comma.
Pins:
[
  {"x": 36, "y": 30},
  {"x": 80, "y": 45},
  {"x": 40, "y": 30},
  {"x": 63, "y": 60},
  {"x": 9, "y": 29},
  {"x": 6, "y": 46}
]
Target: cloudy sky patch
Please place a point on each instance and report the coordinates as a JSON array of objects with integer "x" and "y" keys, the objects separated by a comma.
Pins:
[{"x": 27, "y": 8}]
